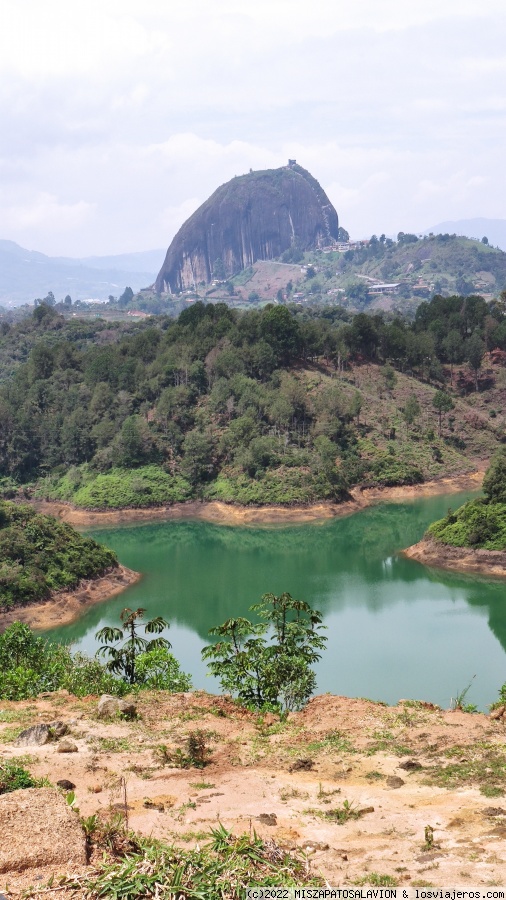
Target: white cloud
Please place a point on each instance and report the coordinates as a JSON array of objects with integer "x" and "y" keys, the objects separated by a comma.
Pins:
[
  {"x": 45, "y": 211},
  {"x": 120, "y": 117}
]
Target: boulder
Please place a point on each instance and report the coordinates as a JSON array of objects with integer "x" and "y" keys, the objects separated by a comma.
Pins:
[
  {"x": 65, "y": 784},
  {"x": 67, "y": 746},
  {"x": 109, "y": 706},
  {"x": 42, "y": 830},
  {"x": 252, "y": 217},
  {"x": 34, "y": 736},
  {"x": 38, "y": 735}
]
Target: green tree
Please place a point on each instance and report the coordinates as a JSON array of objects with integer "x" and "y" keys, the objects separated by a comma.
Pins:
[
  {"x": 134, "y": 444},
  {"x": 355, "y": 406},
  {"x": 453, "y": 348},
  {"x": 281, "y": 331},
  {"x": 124, "y": 645},
  {"x": 494, "y": 482},
  {"x": 411, "y": 409},
  {"x": 198, "y": 456},
  {"x": 262, "y": 673},
  {"x": 126, "y": 297},
  {"x": 389, "y": 377},
  {"x": 443, "y": 404},
  {"x": 475, "y": 351}
]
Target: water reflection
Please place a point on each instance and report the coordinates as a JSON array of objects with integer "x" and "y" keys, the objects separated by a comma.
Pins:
[{"x": 388, "y": 618}]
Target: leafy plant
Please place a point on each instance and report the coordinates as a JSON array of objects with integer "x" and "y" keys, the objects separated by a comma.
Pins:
[
  {"x": 340, "y": 814},
  {"x": 29, "y": 665},
  {"x": 377, "y": 879},
  {"x": 123, "y": 658},
  {"x": 196, "y": 753},
  {"x": 13, "y": 777},
  {"x": 223, "y": 867},
  {"x": 157, "y": 669},
  {"x": 276, "y": 674}
]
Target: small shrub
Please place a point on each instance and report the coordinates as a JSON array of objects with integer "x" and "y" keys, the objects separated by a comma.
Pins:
[{"x": 13, "y": 777}]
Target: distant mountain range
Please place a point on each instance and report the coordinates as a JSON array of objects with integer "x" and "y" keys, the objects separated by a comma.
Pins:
[
  {"x": 493, "y": 229},
  {"x": 26, "y": 274}
]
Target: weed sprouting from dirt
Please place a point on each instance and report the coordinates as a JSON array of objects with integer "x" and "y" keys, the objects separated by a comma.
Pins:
[
  {"x": 292, "y": 794},
  {"x": 324, "y": 796},
  {"x": 459, "y": 702},
  {"x": 195, "y": 755},
  {"x": 341, "y": 814},
  {"x": 333, "y": 740},
  {"x": 384, "y": 740},
  {"x": 376, "y": 880},
  {"x": 429, "y": 838}
]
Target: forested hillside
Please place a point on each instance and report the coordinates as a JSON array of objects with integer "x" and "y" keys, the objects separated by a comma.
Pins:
[
  {"x": 480, "y": 523},
  {"x": 39, "y": 555},
  {"x": 271, "y": 406}
]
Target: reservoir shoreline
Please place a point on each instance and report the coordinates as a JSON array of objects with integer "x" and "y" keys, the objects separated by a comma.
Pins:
[
  {"x": 458, "y": 559},
  {"x": 64, "y": 607},
  {"x": 229, "y": 514}
]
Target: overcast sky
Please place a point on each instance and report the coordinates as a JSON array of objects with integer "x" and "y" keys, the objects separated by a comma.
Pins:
[{"x": 120, "y": 117}]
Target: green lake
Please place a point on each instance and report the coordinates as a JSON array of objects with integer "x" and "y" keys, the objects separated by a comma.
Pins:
[{"x": 395, "y": 629}]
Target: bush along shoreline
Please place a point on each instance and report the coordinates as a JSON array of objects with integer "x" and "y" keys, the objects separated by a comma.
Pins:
[
  {"x": 40, "y": 555},
  {"x": 479, "y": 524}
]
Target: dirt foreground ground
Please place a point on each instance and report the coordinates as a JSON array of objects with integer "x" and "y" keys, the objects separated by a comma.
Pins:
[{"x": 411, "y": 792}]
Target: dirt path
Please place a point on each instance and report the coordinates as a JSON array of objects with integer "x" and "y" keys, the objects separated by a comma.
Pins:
[
  {"x": 396, "y": 770},
  {"x": 228, "y": 514}
]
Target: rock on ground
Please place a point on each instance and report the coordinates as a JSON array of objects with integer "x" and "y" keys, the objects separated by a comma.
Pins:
[
  {"x": 38, "y": 828},
  {"x": 112, "y": 706},
  {"x": 40, "y": 734}
]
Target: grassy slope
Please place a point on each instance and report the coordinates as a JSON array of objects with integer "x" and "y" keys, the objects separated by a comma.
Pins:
[{"x": 436, "y": 263}]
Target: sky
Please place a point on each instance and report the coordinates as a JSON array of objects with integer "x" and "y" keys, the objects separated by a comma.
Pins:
[{"x": 120, "y": 117}]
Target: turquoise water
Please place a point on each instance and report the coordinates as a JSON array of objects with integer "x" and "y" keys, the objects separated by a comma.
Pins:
[{"x": 395, "y": 629}]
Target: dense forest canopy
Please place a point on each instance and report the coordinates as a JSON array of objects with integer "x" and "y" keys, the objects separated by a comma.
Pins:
[
  {"x": 255, "y": 406},
  {"x": 39, "y": 555}
]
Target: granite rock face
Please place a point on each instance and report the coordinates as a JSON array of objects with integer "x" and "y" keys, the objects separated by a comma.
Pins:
[{"x": 252, "y": 217}]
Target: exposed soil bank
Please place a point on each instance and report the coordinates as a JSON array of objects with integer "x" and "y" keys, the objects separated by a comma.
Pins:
[
  {"x": 66, "y": 606},
  {"x": 461, "y": 559},
  {"x": 404, "y": 767},
  {"x": 228, "y": 514}
]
